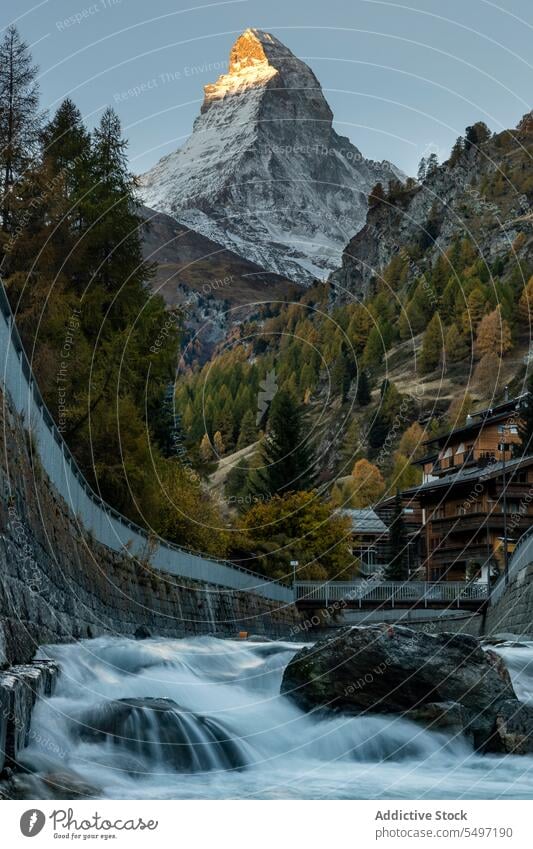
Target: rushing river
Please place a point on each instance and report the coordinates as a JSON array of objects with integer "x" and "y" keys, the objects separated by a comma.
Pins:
[{"x": 229, "y": 734}]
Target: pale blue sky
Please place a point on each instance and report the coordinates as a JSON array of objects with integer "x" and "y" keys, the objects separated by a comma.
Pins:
[{"x": 401, "y": 78}]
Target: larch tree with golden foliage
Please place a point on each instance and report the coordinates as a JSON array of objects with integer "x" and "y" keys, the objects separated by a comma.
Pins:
[
  {"x": 494, "y": 334},
  {"x": 365, "y": 486}
]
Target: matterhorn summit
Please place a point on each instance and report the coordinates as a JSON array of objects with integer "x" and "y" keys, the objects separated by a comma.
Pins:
[{"x": 264, "y": 173}]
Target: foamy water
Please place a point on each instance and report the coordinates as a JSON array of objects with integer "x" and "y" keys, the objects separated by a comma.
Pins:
[{"x": 228, "y": 732}]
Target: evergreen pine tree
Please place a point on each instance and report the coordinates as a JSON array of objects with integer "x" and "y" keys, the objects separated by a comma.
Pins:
[
  {"x": 166, "y": 425},
  {"x": 431, "y": 345},
  {"x": 248, "y": 431},
  {"x": 374, "y": 349},
  {"x": 432, "y": 164},
  {"x": 288, "y": 460},
  {"x": 363, "y": 396},
  {"x": 113, "y": 238},
  {"x": 457, "y": 151}
]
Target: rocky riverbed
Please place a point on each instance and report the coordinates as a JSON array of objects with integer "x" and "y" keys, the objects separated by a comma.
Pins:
[{"x": 368, "y": 713}]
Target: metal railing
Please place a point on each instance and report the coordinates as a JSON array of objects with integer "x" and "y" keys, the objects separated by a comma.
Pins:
[
  {"x": 106, "y": 524},
  {"x": 394, "y": 592}
]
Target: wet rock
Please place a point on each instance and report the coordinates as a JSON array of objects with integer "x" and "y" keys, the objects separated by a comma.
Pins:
[
  {"x": 142, "y": 633},
  {"x": 445, "y": 679},
  {"x": 514, "y": 729},
  {"x": 20, "y": 687},
  {"x": 158, "y": 730},
  {"x": 63, "y": 784},
  {"x": 441, "y": 716}
]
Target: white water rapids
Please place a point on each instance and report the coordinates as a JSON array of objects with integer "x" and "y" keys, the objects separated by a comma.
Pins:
[{"x": 229, "y": 734}]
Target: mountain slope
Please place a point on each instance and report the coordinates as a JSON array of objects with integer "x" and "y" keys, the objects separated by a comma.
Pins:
[
  {"x": 216, "y": 287},
  {"x": 264, "y": 173},
  {"x": 482, "y": 193}
]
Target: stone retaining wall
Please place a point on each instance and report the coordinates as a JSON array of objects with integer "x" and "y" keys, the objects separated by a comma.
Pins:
[
  {"x": 57, "y": 584},
  {"x": 513, "y": 613}
]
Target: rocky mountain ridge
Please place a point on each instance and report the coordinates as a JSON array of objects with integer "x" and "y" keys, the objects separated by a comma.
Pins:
[
  {"x": 483, "y": 193},
  {"x": 264, "y": 173}
]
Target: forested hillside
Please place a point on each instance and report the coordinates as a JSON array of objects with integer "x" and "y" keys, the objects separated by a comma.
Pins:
[{"x": 428, "y": 318}]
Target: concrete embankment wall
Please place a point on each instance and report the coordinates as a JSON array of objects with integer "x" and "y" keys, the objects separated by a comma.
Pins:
[
  {"x": 71, "y": 567},
  {"x": 513, "y": 612},
  {"x": 58, "y": 584}
]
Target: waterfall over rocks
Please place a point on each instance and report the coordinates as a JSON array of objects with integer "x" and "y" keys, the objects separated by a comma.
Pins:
[{"x": 203, "y": 718}]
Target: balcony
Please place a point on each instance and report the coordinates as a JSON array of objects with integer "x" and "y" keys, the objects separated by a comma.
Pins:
[
  {"x": 457, "y": 553},
  {"x": 479, "y": 521},
  {"x": 472, "y": 457}
]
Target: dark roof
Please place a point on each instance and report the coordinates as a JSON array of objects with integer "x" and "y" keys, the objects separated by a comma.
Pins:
[
  {"x": 470, "y": 474},
  {"x": 427, "y": 458},
  {"x": 365, "y": 521}
]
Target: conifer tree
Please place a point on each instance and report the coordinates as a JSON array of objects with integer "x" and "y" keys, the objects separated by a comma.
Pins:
[
  {"x": 363, "y": 396},
  {"x": 374, "y": 349},
  {"x": 206, "y": 449},
  {"x": 455, "y": 346},
  {"x": 431, "y": 353},
  {"x": 248, "y": 431},
  {"x": 421, "y": 173},
  {"x": 288, "y": 459},
  {"x": 494, "y": 334},
  {"x": 432, "y": 165},
  {"x": 19, "y": 119},
  {"x": 218, "y": 443}
]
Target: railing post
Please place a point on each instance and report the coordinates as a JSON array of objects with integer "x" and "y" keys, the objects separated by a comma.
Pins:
[{"x": 326, "y": 585}]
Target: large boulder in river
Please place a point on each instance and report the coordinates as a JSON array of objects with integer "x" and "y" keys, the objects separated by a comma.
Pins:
[
  {"x": 441, "y": 680},
  {"x": 158, "y": 730}
]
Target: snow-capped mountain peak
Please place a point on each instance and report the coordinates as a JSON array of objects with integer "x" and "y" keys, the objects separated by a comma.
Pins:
[{"x": 264, "y": 172}]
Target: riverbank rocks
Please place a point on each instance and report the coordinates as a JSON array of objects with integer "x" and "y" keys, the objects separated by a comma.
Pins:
[
  {"x": 444, "y": 681},
  {"x": 514, "y": 729}
]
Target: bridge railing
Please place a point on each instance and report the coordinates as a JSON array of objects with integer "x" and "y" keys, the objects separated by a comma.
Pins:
[
  {"x": 92, "y": 513},
  {"x": 393, "y": 592}
]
